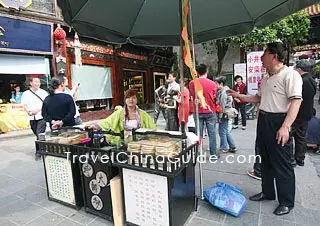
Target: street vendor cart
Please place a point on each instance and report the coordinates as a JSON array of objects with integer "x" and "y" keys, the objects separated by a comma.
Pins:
[{"x": 158, "y": 177}]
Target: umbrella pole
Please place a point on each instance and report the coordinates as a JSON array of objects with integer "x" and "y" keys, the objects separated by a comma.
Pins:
[
  {"x": 181, "y": 65},
  {"x": 197, "y": 110}
]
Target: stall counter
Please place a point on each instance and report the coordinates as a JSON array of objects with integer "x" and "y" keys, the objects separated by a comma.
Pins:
[{"x": 14, "y": 116}]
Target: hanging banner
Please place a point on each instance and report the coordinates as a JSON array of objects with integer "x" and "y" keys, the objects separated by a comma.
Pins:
[
  {"x": 255, "y": 70},
  {"x": 187, "y": 54},
  {"x": 240, "y": 69}
]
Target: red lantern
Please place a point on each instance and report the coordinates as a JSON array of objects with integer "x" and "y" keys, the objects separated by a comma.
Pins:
[{"x": 59, "y": 33}]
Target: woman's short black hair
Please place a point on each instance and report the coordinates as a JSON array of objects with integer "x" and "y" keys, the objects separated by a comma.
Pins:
[
  {"x": 279, "y": 49},
  {"x": 237, "y": 77}
]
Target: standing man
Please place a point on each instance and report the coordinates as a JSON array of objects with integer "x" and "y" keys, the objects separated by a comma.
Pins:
[
  {"x": 32, "y": 100},
  {"x": 241, "y": 88},
  {"x": 280, "y": 99},
  {"x": 300, "y": 125},
  {"x": 207, "y": 116},
  {"x": 73, "y": 93},
  {"x": 171, "y": 103}
]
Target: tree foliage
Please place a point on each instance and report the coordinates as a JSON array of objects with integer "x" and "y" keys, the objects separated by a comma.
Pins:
[{"x": 291, "y": 30}]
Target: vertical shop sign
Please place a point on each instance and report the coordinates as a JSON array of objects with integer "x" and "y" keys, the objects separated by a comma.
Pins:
[{"x": 255, "y": 70}]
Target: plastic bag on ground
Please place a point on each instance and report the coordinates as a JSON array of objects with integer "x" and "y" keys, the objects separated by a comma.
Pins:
[{"x": 227, "y": 198}]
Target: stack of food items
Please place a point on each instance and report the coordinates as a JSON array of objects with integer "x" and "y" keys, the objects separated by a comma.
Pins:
[
  {"x": 68, "y": 137},
  {"x": 155, "y": 145}
]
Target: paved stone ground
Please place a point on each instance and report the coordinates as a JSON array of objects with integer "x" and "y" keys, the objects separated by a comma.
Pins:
[{"x": 23, "y": 197}]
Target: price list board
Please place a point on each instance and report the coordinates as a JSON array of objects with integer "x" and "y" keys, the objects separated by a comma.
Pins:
[
  {"x": 60, "y": 179},
  {"x": 146, "y": 198}
]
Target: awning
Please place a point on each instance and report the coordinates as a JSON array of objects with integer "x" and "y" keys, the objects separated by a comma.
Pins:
[{"x": 19, "y": 64}]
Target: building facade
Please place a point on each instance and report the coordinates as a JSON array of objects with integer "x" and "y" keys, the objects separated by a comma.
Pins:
[{"x": 26, "y": 45}]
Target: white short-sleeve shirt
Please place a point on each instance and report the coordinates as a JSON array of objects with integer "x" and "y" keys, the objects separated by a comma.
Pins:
[
  {"x": 278, "y": 90},
  {"x": 33, "y": 102}
]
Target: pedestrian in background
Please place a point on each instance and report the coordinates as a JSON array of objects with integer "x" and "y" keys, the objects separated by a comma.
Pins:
[
  {"x": 32, "y": 99},
  {"x": 185, "y": 94},
  {"x": 58, "y": 108},
  {"x": 73, "y": 94},
  {"x": 241, "y": 88},
  {"x": 280, "y": 97},
  {"x": 207, "y": 116},
  {"x": 227, "y": 114},
  {"x": 300, "y": 125},
  {"x": 16, "y": 95}
]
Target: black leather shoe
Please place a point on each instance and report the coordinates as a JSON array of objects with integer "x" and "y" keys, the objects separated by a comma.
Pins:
[
  {"x": 294, "y": 163},
  {"x": 259, "y": 197},
  {"x": 282, "y": 210},
  {"x": 300, "y": 162}
]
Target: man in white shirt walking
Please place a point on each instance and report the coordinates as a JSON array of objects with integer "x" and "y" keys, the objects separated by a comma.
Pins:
[{"x": 32, "y": 100}]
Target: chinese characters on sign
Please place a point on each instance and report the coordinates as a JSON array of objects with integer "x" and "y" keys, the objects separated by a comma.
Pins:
[
  {"x": 255, "y": 70},
  {"x": 146, "y": 198}
]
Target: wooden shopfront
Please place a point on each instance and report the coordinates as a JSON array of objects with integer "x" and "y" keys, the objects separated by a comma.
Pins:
[{"x": 125, "y": 67}]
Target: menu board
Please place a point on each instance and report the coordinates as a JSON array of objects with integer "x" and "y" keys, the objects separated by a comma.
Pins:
[
  {"x": 59, "y": 179},
  {"x": 146, "y": 198}
]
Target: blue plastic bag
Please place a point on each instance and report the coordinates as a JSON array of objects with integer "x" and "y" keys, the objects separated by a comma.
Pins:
[{"x": 227, "y": 198}]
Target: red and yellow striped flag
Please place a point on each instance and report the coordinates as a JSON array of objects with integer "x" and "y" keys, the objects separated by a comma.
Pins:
[{"x": 187, "y": 54}]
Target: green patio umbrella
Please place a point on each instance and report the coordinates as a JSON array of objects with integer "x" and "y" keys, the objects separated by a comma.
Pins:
[{"x": 157, "y": 22}]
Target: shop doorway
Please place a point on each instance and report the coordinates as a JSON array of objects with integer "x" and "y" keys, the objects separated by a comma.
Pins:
[
  {"x": 9, "y": 81},
  {"x": 135, "y": 79},
  {"x": 7, "y": 84}
]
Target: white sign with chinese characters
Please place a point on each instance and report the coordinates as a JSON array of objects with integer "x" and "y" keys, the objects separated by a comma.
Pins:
[
  {"x": 240, "y": 69},
  {"x": 255, "y": 70},
  {"x": 146, "y": 198},
  {"x": 60, "y": 179}
]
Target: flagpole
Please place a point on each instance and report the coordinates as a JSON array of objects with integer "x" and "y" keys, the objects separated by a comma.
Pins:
[{"x": 196, "y": 100}]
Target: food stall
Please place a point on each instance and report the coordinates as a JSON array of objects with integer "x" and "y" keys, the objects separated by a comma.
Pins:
[
  {"x": 158, "y": 178},
  {"x": 156, "y": 170}
]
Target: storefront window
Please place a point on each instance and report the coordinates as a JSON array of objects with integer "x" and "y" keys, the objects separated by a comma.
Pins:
[{"x": 95, "y": 90}]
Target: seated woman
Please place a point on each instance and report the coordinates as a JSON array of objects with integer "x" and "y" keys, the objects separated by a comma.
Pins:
[
  {"x": 58, "y": 108},
  {"x": 126, "y": 119}
]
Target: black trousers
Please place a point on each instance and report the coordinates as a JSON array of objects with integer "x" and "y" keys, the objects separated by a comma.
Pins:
[
  {"x": 275, "y": 160},
  {"x": 172, "y": 123},
  {"x": 242, "y": 109},
  {"x": 299, "y": 132},
  {"x": 257, "y": 163},
  {"x": 159, "y": 110},
  {"x": 38, "y": 126}
]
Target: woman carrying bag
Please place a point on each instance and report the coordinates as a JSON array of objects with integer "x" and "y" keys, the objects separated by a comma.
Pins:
[{"x": 227, "y": 113}]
